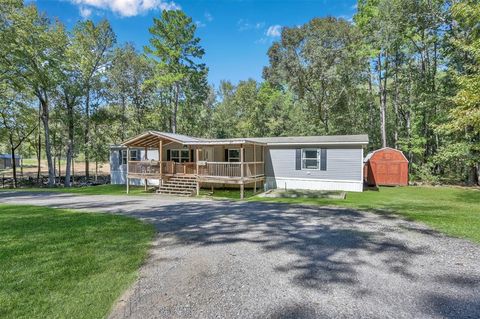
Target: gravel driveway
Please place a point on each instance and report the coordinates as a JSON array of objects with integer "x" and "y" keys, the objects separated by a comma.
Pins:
[{"x": 262, "y": 260}]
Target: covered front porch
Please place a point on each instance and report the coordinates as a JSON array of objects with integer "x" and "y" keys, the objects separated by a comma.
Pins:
[{"x": 209, "y": 162}]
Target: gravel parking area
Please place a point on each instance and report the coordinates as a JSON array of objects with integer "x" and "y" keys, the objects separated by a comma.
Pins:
[{"x": 262, "y": 260}]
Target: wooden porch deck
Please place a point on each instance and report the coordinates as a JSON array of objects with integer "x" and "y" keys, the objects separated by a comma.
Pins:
[{"x": 236, "y": 173}]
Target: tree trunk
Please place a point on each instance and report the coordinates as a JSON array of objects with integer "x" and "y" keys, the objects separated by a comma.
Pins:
[
  {"x": 59, "y": 167},
  {"x": 39, "y": 150},
  {"x": 48, "y": 147},
  {"x": 68, "y": 167},
  {"x": 73, "y": 168},
  {"x": 14, "y": 164},
  {"x": 395, "y": 102},
  {"x": 383, "y": 99},
  {"x": 473, "y": 175},
  {"x": 175, "y": 109},
  {"x": 124, "y": 118},
  {"x": 478, "y": 173},
  {"x": 87, "y": 134}
]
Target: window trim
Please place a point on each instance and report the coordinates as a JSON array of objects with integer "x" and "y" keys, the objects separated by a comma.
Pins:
[
  {"x": 239, "y": 155},
  {"x": 133, "y": 158},
  {"x": 179, "y": 157},
  {"x": 123, "y": 157},
  {"x": 303, "y": 158}
]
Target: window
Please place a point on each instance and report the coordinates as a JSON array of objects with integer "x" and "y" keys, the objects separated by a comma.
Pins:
[
  {"x": 233, "y": 155},
  {"x": 179, "y": 156},
  {"x": 123, "y": 155},
  {"x": 133, "y": 155},
  {"x": 310, "y": 158}
]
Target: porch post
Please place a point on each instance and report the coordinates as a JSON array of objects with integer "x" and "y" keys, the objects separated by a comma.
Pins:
[
  {"x": 128, "y": 159},
  {"x": 145, "y": 181},
  {"x": 242, "y": 185},
  {"x": 160, "y": 159},
  {"x": 255, "y": 168},
  {"x": 197, "y": 152}
]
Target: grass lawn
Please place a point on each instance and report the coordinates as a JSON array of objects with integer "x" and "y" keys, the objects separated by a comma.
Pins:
[
  {"x": 454, "y": 211},
  {"x": 107, "y": 189},
  {"x": 63, "y": 264}
]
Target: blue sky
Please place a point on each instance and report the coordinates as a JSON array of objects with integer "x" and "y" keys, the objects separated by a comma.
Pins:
[{"x": 236, "y": 34}]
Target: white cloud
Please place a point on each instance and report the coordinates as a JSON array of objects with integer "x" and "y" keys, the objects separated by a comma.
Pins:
[
  {"x": 85, "y": 12},
  {"x": 208, "y": 16},
  {"x": 200, "y": 24},
  {"x": 346, "y": 17},
  {"x": 127, "y": 8},
  {"x": 244, "y": 25},
  {"x": 274, "y": 31}
]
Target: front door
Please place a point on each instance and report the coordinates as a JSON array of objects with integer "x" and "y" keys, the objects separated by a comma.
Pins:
[{"x": 208, "y": 154}]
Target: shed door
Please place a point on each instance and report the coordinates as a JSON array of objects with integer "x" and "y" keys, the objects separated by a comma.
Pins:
[{"x": 388, "y": 173}]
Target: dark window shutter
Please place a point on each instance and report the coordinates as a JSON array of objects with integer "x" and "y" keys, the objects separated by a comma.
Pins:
[
  {"x": 298, "y": 159},
  {"x": 226, "y": 155},
  {"x": 323, "y": 159},
  {"x": 192, "y": 155},
  {"x": 168, "y": 155}
]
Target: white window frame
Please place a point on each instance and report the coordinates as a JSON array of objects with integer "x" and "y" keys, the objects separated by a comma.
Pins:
[
  {"x": 238, "y": 158},
  {"x": 180, "y": 158},
  {"x": 123, "y": 157},
  {"x": 303, "y": 159},
  {"x": 133, "y": 158}
]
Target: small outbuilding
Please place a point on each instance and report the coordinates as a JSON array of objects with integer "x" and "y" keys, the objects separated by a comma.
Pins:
[
  {"x": 386, "y": 166},
  {"x": 6, "y": 161}
]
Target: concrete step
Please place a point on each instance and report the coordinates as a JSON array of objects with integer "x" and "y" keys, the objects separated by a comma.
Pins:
[
  {"x": 176, "y": 188},
  {"x": 175, "y": 192}
]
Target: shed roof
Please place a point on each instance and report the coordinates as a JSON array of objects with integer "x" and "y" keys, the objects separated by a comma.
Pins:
[
  {"x": 9, "y": 156},
  {"x": 369, "y": 155}
]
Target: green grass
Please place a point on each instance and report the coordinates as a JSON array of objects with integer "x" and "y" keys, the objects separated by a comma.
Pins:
[
  {"x": 63, "y": 264},
  {"x": 107, "y": 189},
  {"x": 454, "y": 211},
  {"x": 30, "y": 161}
]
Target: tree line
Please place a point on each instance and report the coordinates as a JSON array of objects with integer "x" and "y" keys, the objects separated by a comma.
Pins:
[{"x": 405, "y": 72}]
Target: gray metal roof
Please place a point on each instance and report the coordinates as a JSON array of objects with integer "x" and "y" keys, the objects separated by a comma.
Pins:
[
  {"x": 224, "y": 141},
  {"x": 9, "y": 156},
  {"x": 326, "y": 139},
  {"x": 283, "y": 140},
  {"x": 178, "y": 137}
]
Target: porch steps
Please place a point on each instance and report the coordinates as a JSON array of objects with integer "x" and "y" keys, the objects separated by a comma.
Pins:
[{"x": 179, "y": 186}]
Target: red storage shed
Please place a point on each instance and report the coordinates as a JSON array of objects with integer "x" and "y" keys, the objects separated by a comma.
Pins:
[{"x": 386, "y": 166}]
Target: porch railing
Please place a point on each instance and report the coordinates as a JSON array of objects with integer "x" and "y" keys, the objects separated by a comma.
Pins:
[
  {"x": 231, "y": 169},
  {"x": 151, "y": 168},
  {"x": 172, "y": 167},
  {"x": 144, "y": 168}
]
